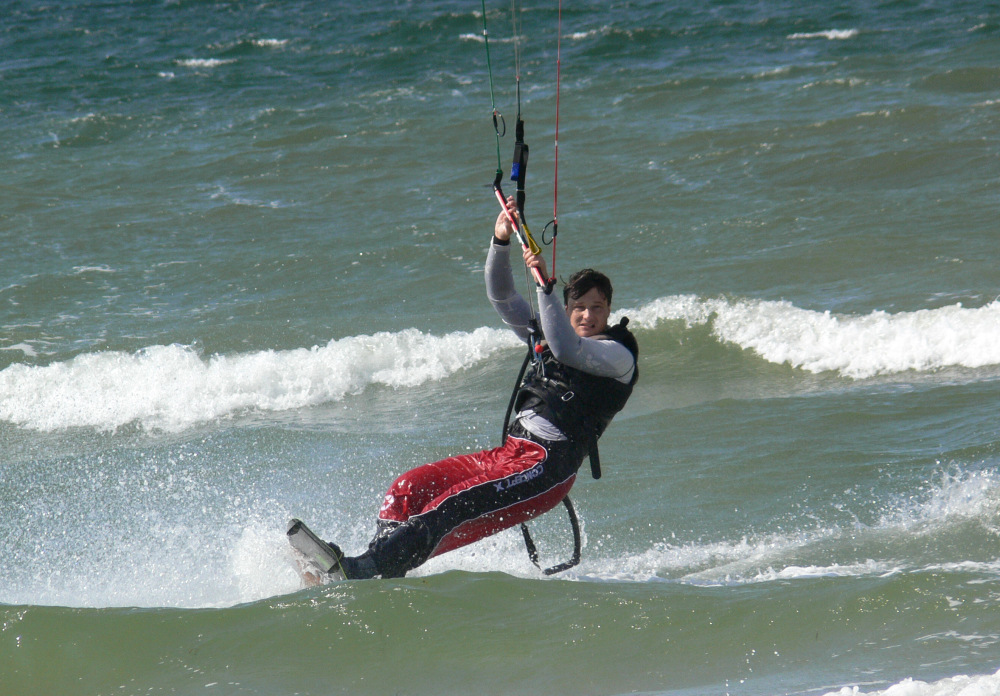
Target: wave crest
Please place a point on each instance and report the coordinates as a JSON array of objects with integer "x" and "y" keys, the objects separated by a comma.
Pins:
[
  {"x": 856, "y": 347},
  {"x": 172, "y": 387}
]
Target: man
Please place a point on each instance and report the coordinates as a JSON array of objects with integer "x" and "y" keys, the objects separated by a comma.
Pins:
[{"x": 582, "y": 376}]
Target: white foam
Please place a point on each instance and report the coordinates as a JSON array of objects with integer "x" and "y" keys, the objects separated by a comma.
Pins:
[
  {"x": 25, "y": 348},
  {"x": 80, "y": 270},
  {"x": 951, "y": 501},
  {"x": 829, "y": 34},
  {"x": 960, "y": 685},
  {"x": 745, "y": 561},
  {"x": 270, "y": 43},
  {"x": 188, "y": 567},
  {"x": 582, "y": 35},
  {"x": 204, "y": 62},
  {"x": 479, "y": 38},
  {"x": 952, "y": 498},
  {"x": 262, "y": 563},
  {"x": 172, "y": 387},
  {"x": 857, "y": 347}
]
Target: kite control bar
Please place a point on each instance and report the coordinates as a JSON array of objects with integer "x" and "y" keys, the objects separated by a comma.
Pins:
[{"x": 523, "y": 233}]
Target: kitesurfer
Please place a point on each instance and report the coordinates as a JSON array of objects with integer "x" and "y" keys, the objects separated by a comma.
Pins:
[{"x": 582, "y": 375}]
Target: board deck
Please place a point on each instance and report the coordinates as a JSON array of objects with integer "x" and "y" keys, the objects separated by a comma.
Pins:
[{"x": 319, "y": 564}]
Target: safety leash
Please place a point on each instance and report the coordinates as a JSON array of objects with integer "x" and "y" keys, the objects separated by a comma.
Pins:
[{"x": 554, "y": 223}]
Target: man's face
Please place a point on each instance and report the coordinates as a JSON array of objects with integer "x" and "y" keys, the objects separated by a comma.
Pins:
[{"x": 589, "y": 313}]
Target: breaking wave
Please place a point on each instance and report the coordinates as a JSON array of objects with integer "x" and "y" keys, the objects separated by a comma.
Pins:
[
  {"x": 855, "y": 346},
  {"x": 173, "y": 386}
]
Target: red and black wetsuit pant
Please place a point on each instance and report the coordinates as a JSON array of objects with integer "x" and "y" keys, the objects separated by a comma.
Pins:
[{"x": 445, "y": 505}]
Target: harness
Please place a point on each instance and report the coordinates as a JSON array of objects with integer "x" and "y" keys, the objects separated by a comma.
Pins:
[{"x": 580, "y": 404}]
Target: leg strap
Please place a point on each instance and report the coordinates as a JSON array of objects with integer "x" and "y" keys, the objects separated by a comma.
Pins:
[{"x": 533, "y": 550}]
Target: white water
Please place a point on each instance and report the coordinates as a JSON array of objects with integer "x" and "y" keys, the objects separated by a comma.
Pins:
[
  {"x": 173, "y": 387},
  {"x": 961, "y": 685}
]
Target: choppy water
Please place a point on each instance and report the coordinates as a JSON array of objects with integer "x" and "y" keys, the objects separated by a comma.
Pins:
[{"x": 242, "y": 252}]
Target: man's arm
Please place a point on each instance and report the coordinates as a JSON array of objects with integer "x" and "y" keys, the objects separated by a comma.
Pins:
[{"x": 511, "y": 306}]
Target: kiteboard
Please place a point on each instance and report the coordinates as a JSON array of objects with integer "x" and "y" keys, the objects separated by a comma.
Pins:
[{"x": 318, "y": 564}]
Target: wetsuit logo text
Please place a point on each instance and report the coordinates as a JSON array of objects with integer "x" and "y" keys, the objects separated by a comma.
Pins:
[{"x": 525, "y": 476}]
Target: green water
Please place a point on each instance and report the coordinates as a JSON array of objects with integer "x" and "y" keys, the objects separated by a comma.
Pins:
[{"x": 242, "y": 281}]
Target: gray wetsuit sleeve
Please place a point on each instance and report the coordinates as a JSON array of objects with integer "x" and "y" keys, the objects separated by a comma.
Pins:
[{"x": 511, "y": 306}]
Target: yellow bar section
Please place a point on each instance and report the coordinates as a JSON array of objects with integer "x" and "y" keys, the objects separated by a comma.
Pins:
[{"x": 532, "y": 244}]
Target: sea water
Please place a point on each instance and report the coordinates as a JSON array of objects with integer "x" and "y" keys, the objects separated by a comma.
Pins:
[{"x": 241, "y": 280}]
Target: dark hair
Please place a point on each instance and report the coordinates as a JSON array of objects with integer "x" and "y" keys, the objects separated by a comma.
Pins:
[{"x": 582, "y": 282}]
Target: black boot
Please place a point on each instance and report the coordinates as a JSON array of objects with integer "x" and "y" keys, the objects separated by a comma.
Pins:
[
  {"x": 359, "y": 567},
  {"x": 354, "y": 567},
  {"x": 399, "y": 548}
]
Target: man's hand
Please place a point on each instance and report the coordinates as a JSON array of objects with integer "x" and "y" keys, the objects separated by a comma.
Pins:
[
  {"x": 535, "y": 261},
  {"x": 503, "y": 230}
]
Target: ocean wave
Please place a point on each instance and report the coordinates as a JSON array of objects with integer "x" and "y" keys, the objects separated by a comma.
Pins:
[
  {"x": 951, "y": 502},
  {"x": 172, "y": 387},
  {"x": 479, "y": 38},
  {"x": 960, "y": 685},
  {"x": 204, "y": 62},
  {"x": 829, "y": 34},
  {"x": 855, "y": 346}
]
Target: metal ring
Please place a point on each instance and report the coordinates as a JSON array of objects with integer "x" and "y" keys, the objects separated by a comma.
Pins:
[{"x": 496, "y": 125}]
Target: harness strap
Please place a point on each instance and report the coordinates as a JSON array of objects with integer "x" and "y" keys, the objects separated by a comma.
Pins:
[
  {"x": 513, "y": 397},
  {"x": 595, "y": 459}
]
